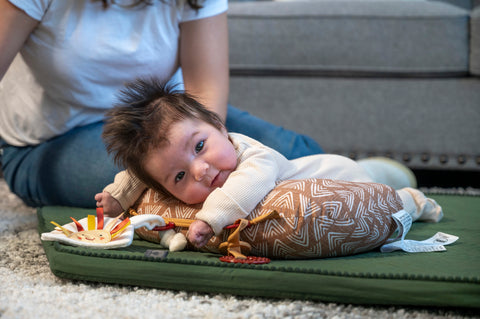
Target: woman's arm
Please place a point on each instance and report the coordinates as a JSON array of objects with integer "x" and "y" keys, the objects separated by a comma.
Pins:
[
  {"x": 15, "y": 27},
  {"x": 204, "y": 61}
]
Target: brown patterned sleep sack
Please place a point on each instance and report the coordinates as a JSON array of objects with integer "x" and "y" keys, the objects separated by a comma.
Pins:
[{"x": 319, "y": 218}]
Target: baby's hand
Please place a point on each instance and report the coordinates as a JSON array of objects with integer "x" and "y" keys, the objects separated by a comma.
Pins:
[
  {"x": 199, "y": 233},
  {"x": 111, "y": 206}
]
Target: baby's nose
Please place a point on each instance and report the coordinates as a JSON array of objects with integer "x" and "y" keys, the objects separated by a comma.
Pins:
[{"x": 200, "y": 170}]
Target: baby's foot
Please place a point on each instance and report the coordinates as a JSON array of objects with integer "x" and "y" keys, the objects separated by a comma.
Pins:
[
  {"x": 390, "y": 172},
  {"x": 428, "y": 209},
  {"x": 432, "y": 212}
]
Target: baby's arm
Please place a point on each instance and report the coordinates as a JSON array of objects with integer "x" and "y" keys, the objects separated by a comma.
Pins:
[{"x": 121, "y": 194}]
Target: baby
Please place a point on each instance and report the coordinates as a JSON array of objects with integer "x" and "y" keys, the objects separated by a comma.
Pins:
[{"x": 169, "y": 142}]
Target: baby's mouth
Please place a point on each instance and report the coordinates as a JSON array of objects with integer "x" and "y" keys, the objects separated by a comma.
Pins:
[
  {"x": 214, "y": 180},
  {"x": 217, "y": 180}
]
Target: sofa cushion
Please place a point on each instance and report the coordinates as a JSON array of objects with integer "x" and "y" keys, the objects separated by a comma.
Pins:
[
  {"x": 466, "y": 4},
  {"x": 344, "y": 37},
  {"x": 475, "y": 42},
  {"x": 425, "y": 123}
]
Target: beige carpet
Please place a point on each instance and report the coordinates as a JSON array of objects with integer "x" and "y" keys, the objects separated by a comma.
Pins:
[{"x": 29, "y": 290}]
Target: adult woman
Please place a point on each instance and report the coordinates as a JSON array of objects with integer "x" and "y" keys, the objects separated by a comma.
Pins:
[{"x": 79, "y": 54}]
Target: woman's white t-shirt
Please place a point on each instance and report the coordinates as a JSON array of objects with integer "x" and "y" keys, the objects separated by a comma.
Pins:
[{"x": 81, "y": 55}]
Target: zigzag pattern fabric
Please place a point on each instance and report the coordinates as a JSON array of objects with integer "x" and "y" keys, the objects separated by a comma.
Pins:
[{"x": 319, "y": 218}]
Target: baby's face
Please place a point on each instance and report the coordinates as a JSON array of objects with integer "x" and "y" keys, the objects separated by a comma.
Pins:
[{"x": 198, "y": 159}]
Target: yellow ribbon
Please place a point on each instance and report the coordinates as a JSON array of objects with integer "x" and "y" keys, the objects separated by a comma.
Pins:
[{"x": 234, "y": 245}]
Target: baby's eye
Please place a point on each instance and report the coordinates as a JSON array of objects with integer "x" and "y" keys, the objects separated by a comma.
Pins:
[
  {"x": 199, "y": 146},
  {"x": 179, "y": 177}
]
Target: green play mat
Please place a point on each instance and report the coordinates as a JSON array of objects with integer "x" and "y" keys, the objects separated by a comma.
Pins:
[{"x": 446, "y": 279}]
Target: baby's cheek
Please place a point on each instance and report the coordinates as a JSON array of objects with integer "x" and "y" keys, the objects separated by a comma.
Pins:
[
  {"x": 195, "y": 195},
  {"x": 233, "y": 160}
]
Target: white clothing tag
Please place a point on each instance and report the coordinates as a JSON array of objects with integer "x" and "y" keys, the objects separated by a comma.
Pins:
[{"x": 404, "y": 223}]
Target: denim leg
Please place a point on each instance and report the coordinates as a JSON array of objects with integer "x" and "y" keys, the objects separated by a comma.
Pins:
[
  {"x": 290, "y": 144},
  {"x": 67, "y": 170}
]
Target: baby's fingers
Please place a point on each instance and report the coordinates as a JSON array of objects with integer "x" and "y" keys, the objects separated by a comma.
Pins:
[{"x": 198, "y": 239}]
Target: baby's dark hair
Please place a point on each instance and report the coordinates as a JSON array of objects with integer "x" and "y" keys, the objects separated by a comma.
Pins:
[{"x": 142, "y": 119}]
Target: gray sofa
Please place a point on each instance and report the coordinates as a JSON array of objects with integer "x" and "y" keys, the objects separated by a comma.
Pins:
[{"x": 397, "y": 78}]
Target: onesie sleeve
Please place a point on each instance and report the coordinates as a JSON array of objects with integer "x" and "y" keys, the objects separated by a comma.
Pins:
[
  {"x": 126, "y": 188},
  {"x": 255, "y": 176},
  {"x": 34, "y": 8}
]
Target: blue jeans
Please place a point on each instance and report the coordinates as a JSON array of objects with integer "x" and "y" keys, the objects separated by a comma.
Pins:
[{"x": 70, "y": 169}]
